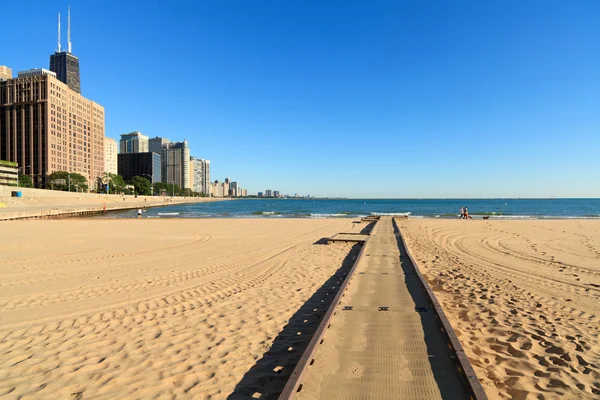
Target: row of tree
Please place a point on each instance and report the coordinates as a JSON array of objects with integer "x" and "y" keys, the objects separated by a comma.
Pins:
[{"x": 110, "y": 184}]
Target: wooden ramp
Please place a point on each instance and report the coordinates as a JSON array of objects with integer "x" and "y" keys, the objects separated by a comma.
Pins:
[
  {"x": 347, "y": 237},
  {"x": 384, "y": 341}
]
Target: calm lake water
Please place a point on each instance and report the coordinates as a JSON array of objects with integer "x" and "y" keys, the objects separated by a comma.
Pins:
[{"x": 352, "y": 208}]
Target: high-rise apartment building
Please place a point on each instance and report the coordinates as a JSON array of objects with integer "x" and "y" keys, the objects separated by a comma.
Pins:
[
  {"x": 175, "y": 162},
  {"x": 133, "y": 142},
  {"x": 110, "y": 156},
  {"x": 191, "y": 179},
  {"x": 216, "y": 189},
  {"x": 156, "y": 144},
  {"x": 205, "y": 176},
  {"x": 45, "y": 127},
  {"x": 268, "y": 193},
  {"x": 201, "y": 171},
  {"x": 233, "y": 189},
  {"x": 65, "y": 64},
  {"x": 225, "y": 186}
]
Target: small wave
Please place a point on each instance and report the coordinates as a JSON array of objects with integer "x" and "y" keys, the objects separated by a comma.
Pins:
[
  {"x": 513, "y": 217},
  {"x": 167, "y": 214},
  {"x": 326, "y": 215}
]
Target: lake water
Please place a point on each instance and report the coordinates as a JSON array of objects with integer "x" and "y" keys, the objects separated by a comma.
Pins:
[{"x": 352, "y": 208}]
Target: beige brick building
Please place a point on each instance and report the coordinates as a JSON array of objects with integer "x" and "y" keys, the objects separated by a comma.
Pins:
[
  {"x": 5, "y": 72},
  {"x": 47, "y": 127}
]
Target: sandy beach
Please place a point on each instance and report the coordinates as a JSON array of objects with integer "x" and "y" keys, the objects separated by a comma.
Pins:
[
  {"x": 524, "y": 297},
  {"x": 223, "y": 308},
  {"x": 105, "y": 309}
]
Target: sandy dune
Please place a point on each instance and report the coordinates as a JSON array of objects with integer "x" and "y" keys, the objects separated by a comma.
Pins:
[
  {"x": 105, "y": 309},
  {"x": 524, "y": 296}
]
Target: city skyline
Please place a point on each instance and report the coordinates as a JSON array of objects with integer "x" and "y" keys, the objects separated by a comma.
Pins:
[{"x": 287, "y": 95}]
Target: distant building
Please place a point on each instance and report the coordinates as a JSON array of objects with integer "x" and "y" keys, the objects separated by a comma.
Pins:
[
  {"x": 205, "y": 176},
  {"x": 5, "y": 73},
  {"x": 175, "y": 164},
  {"x": 110, "y": 156},
  {"x": 64, "y": 63},
  {"x": 192, "y": 176},
  {"x": 66, "y": 67},
  {"x": 46, "y": 127},
  {"x": 201, "y": 175},
  {"x": 276, "y": 193},
  {"x": 225, "y": 187},
  {"x": 233, "y": 189},
  {"x": 268, "y": 193},
  {"x": 156, "y": 144},
  {"x": 133, "y": 142},
  {"x": 217, "y": 189},
  {"x": 260, "y": 194},
  {"x": 146, "y": 165}
]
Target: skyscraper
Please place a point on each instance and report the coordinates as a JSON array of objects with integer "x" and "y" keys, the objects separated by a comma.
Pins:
[
  {"x": 201, "y": 171},
  {"x": 64, "y": 63},
  {"x": 133, "y": 142},
  {"x": 206, "y": 177},
  {"x": 175, "y": 164}
]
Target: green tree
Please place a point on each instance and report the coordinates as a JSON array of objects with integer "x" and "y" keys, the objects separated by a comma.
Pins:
[
  {"x": 115, "y": 183},
  {"x": 25, "y": 181},
  {"x": 60, "y": 180},
  {"x": 142, "y": 185},
  {"x": 168, "y": 188}
]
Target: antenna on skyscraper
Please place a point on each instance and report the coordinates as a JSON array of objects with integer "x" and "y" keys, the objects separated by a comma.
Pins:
[
  {"x": 69, "y": 29},
  {"x": 58, "y": 33}
]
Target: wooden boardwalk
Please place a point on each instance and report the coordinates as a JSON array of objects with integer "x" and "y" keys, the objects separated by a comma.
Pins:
[{"x": 385, "y": 340}]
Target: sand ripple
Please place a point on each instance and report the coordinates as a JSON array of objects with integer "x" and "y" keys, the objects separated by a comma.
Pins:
[
  {"x": 152, "y": 309},
  {"x": 524, "y": 296}
]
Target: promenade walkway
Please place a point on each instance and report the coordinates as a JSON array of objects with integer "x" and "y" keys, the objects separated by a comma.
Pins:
[{"x": 384, "y": 342}]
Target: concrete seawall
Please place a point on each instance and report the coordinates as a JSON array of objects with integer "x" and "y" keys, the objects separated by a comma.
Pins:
[{"x": 38, "y": 203}]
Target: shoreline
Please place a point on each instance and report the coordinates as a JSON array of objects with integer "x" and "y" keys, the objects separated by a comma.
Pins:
[{"x": 46, "y": 204}]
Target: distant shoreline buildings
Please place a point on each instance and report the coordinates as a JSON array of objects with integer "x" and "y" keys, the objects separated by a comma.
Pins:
[{"x": 46, "y": 126}]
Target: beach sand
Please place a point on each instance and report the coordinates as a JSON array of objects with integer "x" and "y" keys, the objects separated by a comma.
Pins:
[
  {"x": 127, "y": 308},
  {"x": 524, "y": 298}
]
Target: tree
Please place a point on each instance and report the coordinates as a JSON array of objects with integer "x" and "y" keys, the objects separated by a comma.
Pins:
[
  {"x": 60, "y": 180},
  {"x": 25, "y": 181},
  {"x": 115, "y": 183},
  {"x": 142, "y": 185},
  {"x": 167, "y": 188}
]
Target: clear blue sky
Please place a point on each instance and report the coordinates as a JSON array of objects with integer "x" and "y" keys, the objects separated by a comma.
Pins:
[{"x": 347, "y": 98}]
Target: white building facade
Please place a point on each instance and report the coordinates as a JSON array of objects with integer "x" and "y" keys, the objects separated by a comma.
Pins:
[{"x": 110, "y": 156}]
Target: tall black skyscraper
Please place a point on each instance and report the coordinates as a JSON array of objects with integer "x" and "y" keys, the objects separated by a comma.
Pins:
[
  {"x": 66, "y": 66},
  {"x": 64, "y": 63}
]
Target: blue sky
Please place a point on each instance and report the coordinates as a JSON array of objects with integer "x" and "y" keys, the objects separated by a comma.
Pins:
[{"x": 346, "y": 98}]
